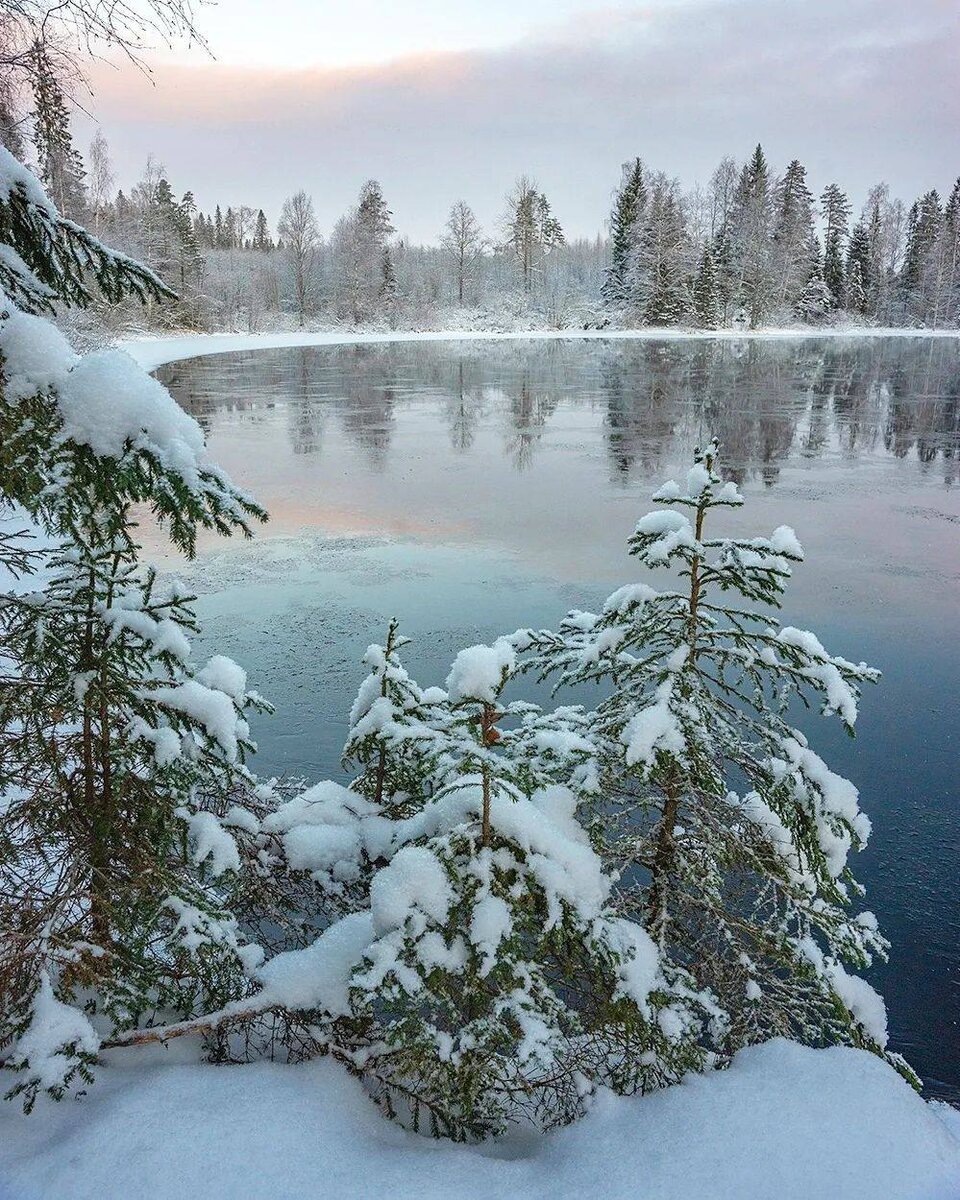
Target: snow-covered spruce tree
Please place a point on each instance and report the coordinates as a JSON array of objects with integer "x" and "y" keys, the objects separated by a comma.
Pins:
[
  {"x": 391, "y": 738},
  {"x": 815, "y": 302},
  {"x": 118, "y": 756},
  {"x": 489, "y": 980},
  {"x": 706, "y": 298},
  {"x": 731, "y": 833}
]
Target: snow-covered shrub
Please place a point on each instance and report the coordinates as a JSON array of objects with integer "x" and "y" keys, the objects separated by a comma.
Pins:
[
  {"x": 487, "y": 977},
  {"x": 733, "y": 832}
]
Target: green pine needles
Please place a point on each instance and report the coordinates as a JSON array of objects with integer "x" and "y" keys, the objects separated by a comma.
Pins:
[
  {"x": 123, "y": 838},
  {"x": 730, "y": 833}
]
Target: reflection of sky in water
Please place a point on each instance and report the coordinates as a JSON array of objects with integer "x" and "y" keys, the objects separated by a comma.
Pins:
[{"x": 471, "y": 489}]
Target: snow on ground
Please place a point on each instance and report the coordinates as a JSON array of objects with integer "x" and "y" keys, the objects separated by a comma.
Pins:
[
  {"x": 784, "y": 1122},
  {"x": 153, "y": 352}
]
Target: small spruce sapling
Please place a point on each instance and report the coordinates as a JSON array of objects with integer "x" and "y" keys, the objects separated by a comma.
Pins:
[
  {"x": 497, "y": 982},
  {"x": 731, "y": 833},
  {"x": 390, "y": 736}
]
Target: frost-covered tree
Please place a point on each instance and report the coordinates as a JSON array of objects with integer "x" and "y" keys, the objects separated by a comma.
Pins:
[
  {"x": 749, "y": 230},
  {"x": 732, "y": 833},
  {"x": 835, "y": 211},
  {"x": 815, "y": 302},
  {"x": 706, "y": 298},
  {"x": 658, "y": 273},
  {"x": 532, "y": 232},
  {"x": 61, "y": 166},
  {"x": 463, "y": 240},
  {"x": 119, "y": 755},
  {"x": 490, "y": 979},
  {"x": 626, "y": 217},
  {"x": 301, "y": 239},
  {"x": 100, "y": 180},
  {"x": 858, "y": 283},
  {"x": 794, "y": 249}
]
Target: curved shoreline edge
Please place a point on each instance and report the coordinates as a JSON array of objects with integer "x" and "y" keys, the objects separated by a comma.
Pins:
[{"x": 154, "y": 352}]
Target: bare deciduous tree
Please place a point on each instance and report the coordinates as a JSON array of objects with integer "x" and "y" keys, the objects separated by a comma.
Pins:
[
  {"x": 301, "y": 240},
  {"x": 99, "y": 178},
  {"x": 463, "y": 240}
]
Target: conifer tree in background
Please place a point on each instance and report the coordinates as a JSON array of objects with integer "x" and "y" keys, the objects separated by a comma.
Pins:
[
  {"x": 12, "y": 120},
  {"x": 739, "y": 831},
  {"x": 835, "y": 209},
  {"x": 657, "y": 281},
  {"x": 948, "y": 311},
  {"x": 722, "y": 254},
  {"x": 706, "y": 300},
  {"x": 815, "y": 302},
  {"x": 751, "y": 221},
  {"x": 118, "y": 754},
  {"x": 532, "y": 231},
  {"x": 625, "y": 225},
  {"x": 795, "y": 245},
  {"x": 926, "y": 275},
  {"x": 61, "y": 165},
  {"x": 858, "y": 283},
  {"x": 261, "y": 234}
]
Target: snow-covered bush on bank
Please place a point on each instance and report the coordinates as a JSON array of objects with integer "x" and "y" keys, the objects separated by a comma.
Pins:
[{"x": 485, "y": 977}]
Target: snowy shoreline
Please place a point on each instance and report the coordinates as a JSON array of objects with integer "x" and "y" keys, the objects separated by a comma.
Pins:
[
  {"x": 161, "y": 1126},
  {"x": 153, "y": 352}
]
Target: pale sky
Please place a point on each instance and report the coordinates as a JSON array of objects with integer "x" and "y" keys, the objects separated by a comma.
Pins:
[{"x": 449, "y": 100}]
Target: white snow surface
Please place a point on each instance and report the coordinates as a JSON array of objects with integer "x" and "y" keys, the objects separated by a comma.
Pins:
[
  {"x": 784, "y": 1121},
  {"x": 319, "y": 975},
  {"x": 53, "y": 1027},
  {"x": 107, "y": 399},
  {"x": 478, "y": 671},
  {"x": 153, "y": 352}
]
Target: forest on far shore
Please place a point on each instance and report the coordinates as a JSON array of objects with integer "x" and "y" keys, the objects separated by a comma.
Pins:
[{"x": 752, "y": 248}]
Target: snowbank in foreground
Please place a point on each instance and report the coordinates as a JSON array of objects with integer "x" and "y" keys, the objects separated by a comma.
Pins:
[
  {"x": 153, "y": 352},
  {"x": 783, "y": 1122}
]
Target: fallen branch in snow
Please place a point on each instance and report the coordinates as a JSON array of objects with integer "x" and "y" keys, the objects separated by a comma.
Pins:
[{"x": 238, "y": 1011}]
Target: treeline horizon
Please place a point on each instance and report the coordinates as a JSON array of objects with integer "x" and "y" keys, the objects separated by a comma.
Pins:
[{"x": 753, "y": 247}]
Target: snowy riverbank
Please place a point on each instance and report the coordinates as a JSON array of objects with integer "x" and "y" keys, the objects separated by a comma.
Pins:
[
  {"x": 153, "y": 352},
  {"x": 784, "y": 1122}
]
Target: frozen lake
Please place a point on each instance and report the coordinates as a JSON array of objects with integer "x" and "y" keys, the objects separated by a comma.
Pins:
[{"x": 470, "y": 488}]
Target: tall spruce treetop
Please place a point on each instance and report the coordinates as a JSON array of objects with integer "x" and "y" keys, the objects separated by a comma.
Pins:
[
  {"x": 61, "y": 166},
  {"x": 373, "y": 216},
  {"x": 750, "y": 224},
  {"x": 835, "y": 209},
  {"x": 625, "y": 220},
  {"x": 740, "y": 828},
  {"x": 795, "y": 245}
]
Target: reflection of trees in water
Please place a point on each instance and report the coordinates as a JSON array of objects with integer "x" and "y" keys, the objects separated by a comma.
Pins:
[
  {"x": 763, "y": 399},
  {"x": 306, "y": 417},
  {"x": 643, "y": 407},
  {"x": 529, "y": 407},
  {"x": 463, "y": 408}
]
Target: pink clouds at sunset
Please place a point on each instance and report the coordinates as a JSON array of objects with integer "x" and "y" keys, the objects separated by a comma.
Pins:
[{"x": 670, "y": 82}]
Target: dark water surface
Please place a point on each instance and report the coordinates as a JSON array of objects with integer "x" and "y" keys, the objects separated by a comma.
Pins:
[{"x": 473, "y": 488}]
